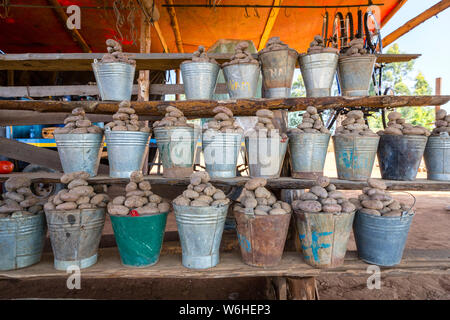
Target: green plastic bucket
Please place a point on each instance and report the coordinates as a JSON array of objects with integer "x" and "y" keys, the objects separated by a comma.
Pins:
[{"x": 139, "y": 239}]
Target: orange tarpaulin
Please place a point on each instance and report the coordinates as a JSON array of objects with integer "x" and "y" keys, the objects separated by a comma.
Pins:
[{"x": 35, "y": 29}]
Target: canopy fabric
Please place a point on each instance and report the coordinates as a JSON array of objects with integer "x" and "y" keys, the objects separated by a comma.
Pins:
[{"x": 38, "y": 30}]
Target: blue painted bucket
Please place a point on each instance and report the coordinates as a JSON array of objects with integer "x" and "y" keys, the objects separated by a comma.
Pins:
[{"x": 381, "y": 240}]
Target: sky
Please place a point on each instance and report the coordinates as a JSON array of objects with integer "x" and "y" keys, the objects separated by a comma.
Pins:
[{"x": 430, "y": 39}]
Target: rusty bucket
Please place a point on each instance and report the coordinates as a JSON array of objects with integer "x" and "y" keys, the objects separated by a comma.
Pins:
[
  {"x": 323, "y": 237},
  {"x": 262, "y": 238},
  {"x": 278, "y": 71}
]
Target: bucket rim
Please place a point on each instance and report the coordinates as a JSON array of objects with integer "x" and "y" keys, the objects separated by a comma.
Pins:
[
  {"x": 362, "y": 57},
  {"x": 355, "y": 136},
  {"x": 187, "y": 62},
  {"x": 139, "y": 217},
  {"x": 97, "y": 63},
  {"x": 283, "y": 49},
  {"x": 297, "y": 211},
  {"x": 268, "y": 216},
  {"x": 303, "y": 55},
  {"x": 224, "y": 134},
  {"x": 77, "y": 134},
  {"x": 74, "y": 210},
  {"x": 267, "y": 138},
  {"x": 109, "y": 132},
  {"x": 201, "y": 208},
  {"x": 258, "y": 66},
  {"x": 28, "y": 217},
  {"x": 306, "y": 133},
  {"x": 371, "y": 216},
  {"x": 404, "y": 136},
  {"x": 173, "y": 128}
]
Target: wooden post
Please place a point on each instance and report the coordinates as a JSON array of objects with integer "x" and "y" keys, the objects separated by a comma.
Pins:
[
  {"x": 10, "y": 78},
  {"x": 438, "y": 91},
  {"x": 302, "y": 288}
]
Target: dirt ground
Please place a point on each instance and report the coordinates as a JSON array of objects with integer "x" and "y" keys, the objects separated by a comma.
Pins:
[{"x": 429, "y": 230}]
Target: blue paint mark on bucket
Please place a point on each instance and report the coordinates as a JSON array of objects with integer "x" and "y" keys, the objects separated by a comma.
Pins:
[
  {"x": 244, "y": 243},
  {"x": 315, "y": 246}
]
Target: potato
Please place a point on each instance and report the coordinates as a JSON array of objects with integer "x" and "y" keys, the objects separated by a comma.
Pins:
[
  {"x": 264, "y": 113},
  {"x": 221, "y": 202},
  {"x": 181, "y": 201},
  {"x": 414, "y": 131},
  {"x": 85, "y": 123},
  {"x": 356, "y": 114},
  {"x": 29, "y": 202},
  {"x": 347, "y": 206},
  {"x": 275, "y": 212},
  {"x": 79, "y": 130},
  {"x": 348, "y": 121},
  {"x": 372, "y": 204},
  {"x": 147, "y": 210},
  {"x": 26, "y": 191},
  {"x": 307, "y": 206},
  {"x": 355, "y": 202},
  {"x": 83, "y": 199},
  {"x": 319, "y": 191},
  {"x": 250, "y": 203},
  {"x": 254, "y": 183},
  {"x": 145, "y": 186},
  {"x": 393, "y": 213},
  {"x": 118, "y": 210},
  {"x": 70, "y": 196},
  {"x": 121, "y": 116},
  {"x": 15, "y": 183},
  {"x": 126, "y": 110},
  {"x": 197, "y": 203},
  {"x": 378, "y": 184},
  {"x": 196, "y": 180},
  {"x": 311, "y": 110},
  {"x": 163, "y": 207},
  {"x": 308, "y": 196},
  {"x": 328, "y": 201},
  {"x": 145, "y": 129},
  {"x": 49, "y": 206},
  {"x": 336, "y": 194},
  {"x": 74, "y": 175},
  {"x": 262, "y": 192},
  {"x": 370, "y": 211},
  {"x": 86, "y": 206},
  {"x": 119, "y": 128},
  {"x": 261, "y": 201},
  {"x": 83, "y": 190},
  {"x": 210, "y": 191},
  {"x": 138, "y": 193},
  {"x": 331, "y": 208},
  {"x": 200, "y": 187},
  {"x": 191, "y": 194},
  {"x": 286, "y": 206},
  {"x": 221, "y": 117},
  {"x": 394, "y": 131},
  {"x": 97, "y": 199},
  {"x": 323, "y": 181},
  {"x": 14, "y": 196},
  {"x": 131, "y": 186},
  {"x": 154, "y": 198},
  {"x": 76, "y": 183},
  {"x": 136, "y": 176},
  {"x": 119, "y": 200},
  {"x": 66, "y": 206},
  {"x": 263, "y": 208},
  {"x": 394, "y": 115},
  {"x": 260, "y": 213},
  {"x": 223, "y": 110},
  {"x": 135, "y": 202},
  {"x": 331, "y": 187},
  {"x": 395, "y": 205}
]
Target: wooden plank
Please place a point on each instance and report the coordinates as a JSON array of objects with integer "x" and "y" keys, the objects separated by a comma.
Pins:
[
  {"x": 144, "y": 61},
  {"x": 278, "y": 183},
  {"x": 230, "y": 266},
  {"x": 414, "y": 22},
  {"x": 242, "y": 107},
  {"x": 31, "y": 154}
]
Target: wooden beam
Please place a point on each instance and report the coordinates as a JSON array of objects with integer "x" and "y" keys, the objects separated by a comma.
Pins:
[
  {"x": 243, "y": 107},
  {"x": 414, "y": 22},
  {"x": 144, "y": 61},
  {"x": 74, "y": 33},
  {"x": 269, "y": 24},
  {"x": 161, "y": 36},
  {"x": 175, "y": 26},
  {"x": 278, "y": 183}
]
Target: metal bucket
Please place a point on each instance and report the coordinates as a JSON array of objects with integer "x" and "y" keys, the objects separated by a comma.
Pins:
[
  {"x": 21, "y": 241},
  {"x": 200, "y": 230},
  {"x": 80, "y": 151},
  {"x": 139, "y": 239},
  {"x": 400, "y": 156},
  {"x": 114, "y": 80},
  {"x": 437, "y": 158},
  {"x": 381, "y": 240},
  {"x": 242, "y": 80},
  {"x": 355, "y": 156},
  {"x": 355, "y": 74},
  {"x": 199, "y": 79},
  {"x": 308, "y": 153},
  {"x": 318, "y": 70},
  {"x": 262, "y": 238},
  {"x": 176, "y": 147},
  {"x": 75, "y": 236},
  {"x": 265, "y": 156},
  {"x": 126, "y": 152},
  {"x": 278, "y": 71},
  {"x": 323, "y": 237},
  {"x": 221, "y": 153}
]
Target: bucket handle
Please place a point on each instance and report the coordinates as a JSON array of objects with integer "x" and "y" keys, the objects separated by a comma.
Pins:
[{"x": 407, "y": 213}]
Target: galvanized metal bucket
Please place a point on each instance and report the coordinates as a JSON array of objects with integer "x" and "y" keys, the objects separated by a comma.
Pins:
[
  {"x": 400, "y": 156},
  {"x": 355, "y": 156},
  {"x": 437, "y": 158},
  {"x": 323, "y": 237},
  {"x": 126, "y": 151},
  {"x": 75, "y": 236},
  {"x": 308, "y": 153},
  {"x": 221, "y": 153},
  {"x": 200, "y": 230},
  {"x": 318, "y": 70},
  {"x": 381, "y": 240},
  {"x": 80, "y": 151},
  {"x": 176, "y": 147},
  {"x": 114, "y": 80},
  {"x": 242, "y": 80},
  {"x": 262, "y": 238},
  {"x": 355, "y": 74},
  {"x": 199, "y": 79},
  {"x": 265, "y": 156},
  {"x": 139, "y": 239},
  {"x": 278, "y": 71},
  {"x": 21, "y": 241}
]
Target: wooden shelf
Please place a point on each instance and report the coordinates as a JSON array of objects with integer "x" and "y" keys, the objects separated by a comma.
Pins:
[
  {"x": 242, "y": 107},
  {"x": 279, "y": 183},
  {"x": 144, "y": 61},
  {"x": 433, "y": 262}
]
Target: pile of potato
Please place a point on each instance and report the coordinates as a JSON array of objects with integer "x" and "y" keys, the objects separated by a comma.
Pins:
[
  {"x": 201, "y": 193},
  {"x": 354, "y": 124},
  {"x": 265, "y": 127},
  {"x": 323, "y": 197},
  {"x": 174, "y": 117},
  {"x": 126, "y": 119},
  {"x": 318, "y": 46},
  {"x": 138, "y": 197},
  {"x": 274, "y": 44},
  {"x": 200, "y": 56},
  {"x": 398, "y": 126},
  {"x": 115, "y": 53},
  {"x": 442, "y": 122},
  {"x": 311, "y": 123},
  {"x": 241, "y": 55},
  {"x": 223, "y": 122},
  {"x": 256, "y": 197},
  {"x": 78, "y": 195},
  {"x": 375, "y": 200},
  {"x": 356, "y": 48},
  {"x": 78, "y": 123},
  {"x": 19, "y": 200}
]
